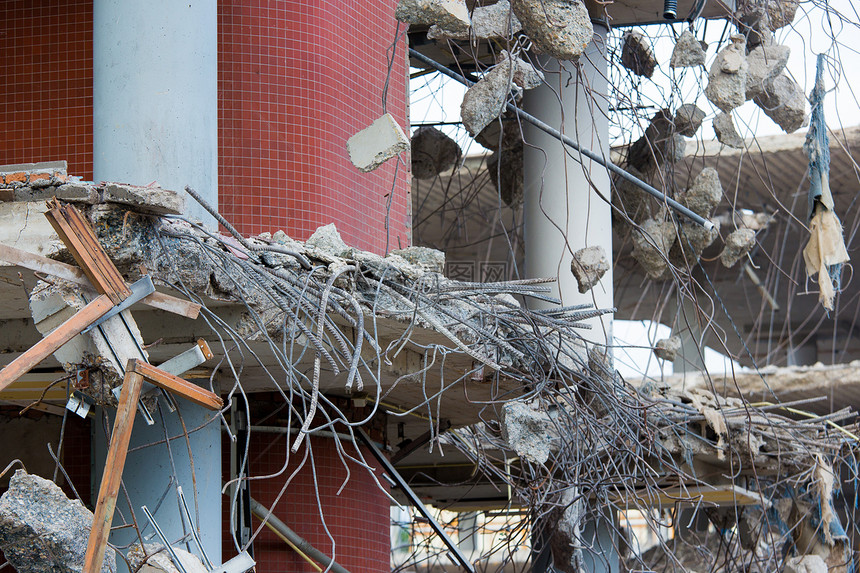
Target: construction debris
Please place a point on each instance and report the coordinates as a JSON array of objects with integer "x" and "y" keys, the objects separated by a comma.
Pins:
[
  {"x": 651, "y": 246},
  {"x": 637, "y": 55},
  {"x": 42, "y": 530},
  {"x": 688, "y": 119},
  {"x": 659, "y": 145},
  {"x": 705, "y": 193},
  {"x": 486, "y": 100},
  {"x": 589, "y": 265},
  {"x": 689, "y": 52},
  {"x": 727, "y": 78},
  {"x": 430, "y": 260},
  {"x": 784, "y": 102},
  {"x": 525, "y": 75},
  {"x": 508, "y": 180},
  {"x": 560, "y": 28},
  {"x": 806, "y": 564},
  {"x": 496, "y": 21},
  {"x": 529, "y": 431},
  {"x": 766, "y": 62},
  {"x": 629, "y": 199},
  {"x": 450, "y": 15},
  {"x": 377, "y": 143},
  {"x": 156, "y": 559},
  {"x": 667, "y": 348},
  {"x": 433, "y": 152},
  {"x": 738, "y": 244},
  {"x": 725, "y": 130}
]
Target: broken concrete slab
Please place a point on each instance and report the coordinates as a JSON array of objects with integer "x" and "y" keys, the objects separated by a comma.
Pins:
[
  {"x": 377, "y": 143},
  {"x": 327, "y": 239},
  {"x": 486, "y": 100},
  {"x": 784, "y": 102},
  {"x": 432, "y": 152},
  {"x": 689, "y": 52},
  {"x": 667, "y": 348},
  {"x": 725, "y": 130},
  {"x": 765, "y": 63},
  {"x": 688, "y": 119},
  {"x": 705, "y": 193},
  {"x": 637, "y": 55},
  {"x": 42, "y": 530},
  {"x": 496, "y": 21},
  {"x": 424, "y": 257},
  {"x": 651, "y": 246},
  {"x": 589, "y": 265},
  {"x": 728, "y": 76},
  {"x": 149, "y": 199},
  {"x": 738, "y": 244},
  {"x": 156, "y": 559},
  {"x": 560, "y": 28},
  {"x": 450, "y": 15},
  {"x": 529, "y": 431}
]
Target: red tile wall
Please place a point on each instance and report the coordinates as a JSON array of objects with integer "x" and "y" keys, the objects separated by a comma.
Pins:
[
  {"x": 358, "y": 518},
  {"x": 46, "y": 92},
  {"x": 296, "y": 79}
]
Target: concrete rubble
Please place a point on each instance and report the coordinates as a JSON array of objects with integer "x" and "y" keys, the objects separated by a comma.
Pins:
[
  {"x": 688, "y": 119},
  {"x": 560, "y": 28},
  {"x": 433, "y": 152},
  {"x": 667, "y": 348},
  {"x": 630, "y": 199},
  {"x": 524, "y": 74},
  {"x": 806, "y": 564},
  {"x": 651, "y": 246},
  {"x": 450, "y": 15},
  {"x": 784, "y": 102},
  {"x": 705, "y": 193},
  {"x": 156, "y": 559},
  {"x": 430, "y": 260},
  {"x": 504, "y": 138},
  {"x": 377, "y": 143},
  {"x": 689, "y": 52},
  {"x": 496, "y": 21},
  {"x": 42, "y": 530},
  {"x": 637, "y": 55},
  {"x": 658, "y": 146},
  {"x": 529, "y": 431},
  {"x": 765, "y": 63},
  {"x": 588, "y": 266},
  {"x": 724, "y": 128},
  {"x": 727, "y": 79},
  {"x": 485, "y": 101},
  {"x": 738, "y": 244}
]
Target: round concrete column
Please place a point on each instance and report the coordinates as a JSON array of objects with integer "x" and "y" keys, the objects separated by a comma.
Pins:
[
  {"x": 155, "y": 90},
  {"x": 563, "y": 212}
]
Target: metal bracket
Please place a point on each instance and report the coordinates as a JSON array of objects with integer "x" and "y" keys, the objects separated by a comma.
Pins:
[
  {"x": 141, "y": 289},
  {"x": 79, "y": 404}
]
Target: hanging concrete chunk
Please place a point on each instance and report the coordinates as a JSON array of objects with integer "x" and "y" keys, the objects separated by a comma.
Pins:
[
  {"x": 486, "y": 100},
  {"x": 765, "y": 63},
  {"x": 738, "y": 244},
  {"x": 705, "y": 194},
  {"x": 806, "y": 564},
  {"x": 667, "y": 348},
  {"x": 637, "y": 54},
  {"x": 560, "y": 28},
  {"x": 450, "y": 15},
  {"x": 651, "y": 246},
  {"x": 688, "y": 53},
  {"x": 530, "y": 431},
  {"x": 524, "y": 74},
  {"x": 432, "y": 153},
  {"x": 496, "y": 21},
  {"x": 42, "y": 530},
  {"x": 629, "y": 198},
  {"x": 784, "y": 102},
  {"x": 509, "y": 178},
  {"x": 727, "y": 79},
  {"x": 724, "y": 127},
  {"x": 692, "y": 240},
  {"x": 376, "y": 144},
  {"x": 688, "y": 119},
  {"x": 588, "y": 266}
]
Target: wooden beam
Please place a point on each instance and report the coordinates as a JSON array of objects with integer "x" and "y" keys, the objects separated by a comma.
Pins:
[
  {"x": 55, "y": 339},
  {"x": 177, "y": 385},
  {"x": 112, "y": 477},
  {"x": 82, "y": 242},
  {"x": 708, "y": 495},
  {"x": 38, "y": 263}
]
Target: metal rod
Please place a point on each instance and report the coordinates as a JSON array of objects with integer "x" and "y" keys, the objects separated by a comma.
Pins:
[
  {"x": 196, "y": 537},
  {"x": 262, "y": 512},
  {"x": 164, "y": 541},
  {"x": 525, "y": 116},
  {"x": 414, "y": 500}
]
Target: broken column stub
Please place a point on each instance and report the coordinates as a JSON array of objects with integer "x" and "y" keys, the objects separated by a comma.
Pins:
[
  {"x": 530, "y": 431},
  {"x": 432, "y": 153},
  {"x": 689, "y": 52},
  {"x": 42, "y": 530},
  {"x": 560, "y": 28},
  {"x": 450, "y": 15},
  {"x": 727, "y": 79},
  {"x": 784, "y": 102},
  {"x": 765, "y": 63},
  {"x": 637, "y": 54},
  {"x": 589, "y": 265},
  {"x": 725, "y": 130},
  {"x": 377, "y": 143}
]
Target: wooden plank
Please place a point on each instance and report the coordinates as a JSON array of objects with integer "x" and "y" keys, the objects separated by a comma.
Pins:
[
  {"x": 717, "y": 495},
  {"x": 38, "y": 263},
  {"x": 177, "y": 385},
  {"x": 82, "y": 242},
  {"x": 55, "y": 339},
  {"x": 112, "y": 477}
]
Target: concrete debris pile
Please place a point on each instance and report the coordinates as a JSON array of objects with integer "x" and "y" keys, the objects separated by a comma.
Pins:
[
  {"x": 42, "y": 530},
  {"x": 154, "y": 558}
]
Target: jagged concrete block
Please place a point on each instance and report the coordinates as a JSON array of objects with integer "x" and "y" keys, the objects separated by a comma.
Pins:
[
  {"x": 427, "y": 258},
  {"x": 705, "y": 193},
  {"x": 765, "y": 63},
  {"x": 806, "y": 564},
  {"x": 432, "y": 153},
  {"x": 738, "y": 244},
  {"x": 588, "y": 266},
  {"x": 651, "y": 246},
  {"x": 327, "y": 239},
  {"x": 450, "y": 15},
  {"x": 692, "y": 240},
  {"x": 42, "y": 530},
  {"x": 667, "y": 348},
  {"x": 688, "y": 52},
  {"x": 524, "y": 74},
  {"x": 156, "y": 559},
  {"x": 508, "y": 179},
  {"x": 486, "y": 100},
  {"x": 727, "y": 78},
  {"x": 560, "y": 28},
  {"x": 496, "y": 21},
  {"x": 637, "y": 54},
  {"x": 784, "y": 102},
  {"x": 150, "y": 199},
  {"x": 725, "y": 130},
  {"x": 688, "y": 119},
  {"x": 376, "y": 144},
  {"x": 531, "y": 432}
]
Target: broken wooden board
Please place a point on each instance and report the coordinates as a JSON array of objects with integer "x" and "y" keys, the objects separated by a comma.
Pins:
[
  {"x": 730, "y": 495},
  {"x": 177, "y": 385}
]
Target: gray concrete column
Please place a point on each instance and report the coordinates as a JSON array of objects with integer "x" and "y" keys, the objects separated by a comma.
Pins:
[{"x": 155, "y": 95}]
